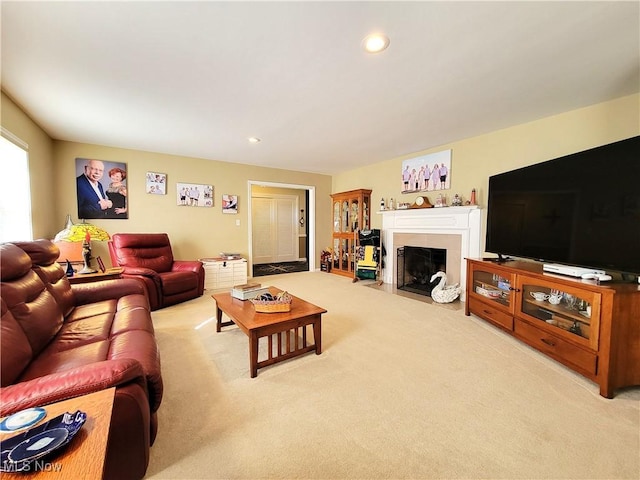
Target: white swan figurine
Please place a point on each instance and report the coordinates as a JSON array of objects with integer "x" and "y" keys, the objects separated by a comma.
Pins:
[{"x": 442, "y": 293}]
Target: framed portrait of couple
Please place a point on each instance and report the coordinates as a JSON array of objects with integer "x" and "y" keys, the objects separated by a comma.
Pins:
[{"x": 101, "y": 189}]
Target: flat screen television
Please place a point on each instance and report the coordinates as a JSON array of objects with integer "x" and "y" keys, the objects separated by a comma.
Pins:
[{"x": 582, "y": 209}]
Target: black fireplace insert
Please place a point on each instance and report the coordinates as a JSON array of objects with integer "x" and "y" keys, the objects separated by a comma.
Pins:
[{"x": 416, "y": 266}]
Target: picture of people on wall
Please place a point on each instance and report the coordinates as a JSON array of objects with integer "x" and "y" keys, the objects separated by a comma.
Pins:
[
  {"x": 229, "y": 203},
  {"x": 156, "y": 183},
  {"x": 100, "y": 197},
  {"x": 427, "y": 172},
  {"x": 194, "y": 195}
]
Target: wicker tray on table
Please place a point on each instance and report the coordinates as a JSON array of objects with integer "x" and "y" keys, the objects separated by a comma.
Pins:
[{"x": 267, "y": 303}]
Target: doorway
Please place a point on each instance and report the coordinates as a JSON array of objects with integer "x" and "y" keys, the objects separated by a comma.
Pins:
[
  {"x": 281, "y": 228},
  {"x": 275, "y": 228}
]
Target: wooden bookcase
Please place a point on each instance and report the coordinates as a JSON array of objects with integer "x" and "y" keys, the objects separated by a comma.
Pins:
[
  {"x": 591, "y": 328},
  {"x": 350, "y": 212}
]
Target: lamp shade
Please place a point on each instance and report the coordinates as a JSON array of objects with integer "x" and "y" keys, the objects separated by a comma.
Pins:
[{"x": 78, "y": 232}]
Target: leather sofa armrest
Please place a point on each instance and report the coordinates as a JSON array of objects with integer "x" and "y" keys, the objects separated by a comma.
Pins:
[
  {"x": 187, "y": 266},
  {"x": 106, "y": 290},
  {"x": 141, "y": 271},
  {"x": 68, "y": 384}
]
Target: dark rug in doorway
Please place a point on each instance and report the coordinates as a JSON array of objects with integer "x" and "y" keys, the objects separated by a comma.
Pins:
[{"x": 277, "y": 268}]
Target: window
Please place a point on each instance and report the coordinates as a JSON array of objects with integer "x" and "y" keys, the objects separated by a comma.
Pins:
[{"x": 15, "y": 189}]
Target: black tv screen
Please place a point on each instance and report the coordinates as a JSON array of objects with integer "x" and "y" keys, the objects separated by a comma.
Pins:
[{"x": 582, "y": 209}]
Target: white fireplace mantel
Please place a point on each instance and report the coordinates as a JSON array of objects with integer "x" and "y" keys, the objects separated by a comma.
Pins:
[{"x": 462, "y": 221}]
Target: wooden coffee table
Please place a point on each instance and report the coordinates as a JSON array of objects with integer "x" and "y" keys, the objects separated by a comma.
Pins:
[{"x": 288, "y": 329}]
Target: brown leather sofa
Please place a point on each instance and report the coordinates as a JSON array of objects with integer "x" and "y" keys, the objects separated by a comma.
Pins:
[
  {"x": 61, "y": 341},
  {"x": 149, "y": 258}
]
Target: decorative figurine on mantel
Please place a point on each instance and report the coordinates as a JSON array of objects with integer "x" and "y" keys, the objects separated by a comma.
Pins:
[
  {"x": 457, "y": 201},
  {"x": 442, "y": 293}
]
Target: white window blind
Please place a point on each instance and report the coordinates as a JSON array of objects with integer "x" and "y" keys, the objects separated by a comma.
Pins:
[{"x": 15, "y": 189}]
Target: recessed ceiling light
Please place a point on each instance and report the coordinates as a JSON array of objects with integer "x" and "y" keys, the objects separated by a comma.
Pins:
[
  {"x": 375, "y": 43},
  {"x": 254, "y": 140}
]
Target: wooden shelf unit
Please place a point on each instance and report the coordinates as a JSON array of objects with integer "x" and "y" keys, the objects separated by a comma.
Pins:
[
  {"x": 594, "y": 330},
  {"x": 350, "y": 212}
]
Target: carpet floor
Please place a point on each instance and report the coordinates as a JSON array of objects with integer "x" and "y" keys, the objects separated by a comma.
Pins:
[{"x": 403, "y": 389}]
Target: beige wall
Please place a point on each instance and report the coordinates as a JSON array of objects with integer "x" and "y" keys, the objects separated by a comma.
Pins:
[
  {"x": 194, "y": 231},
  {"x": 475, "y": 159},
  {"x": 43, "y": 212}
]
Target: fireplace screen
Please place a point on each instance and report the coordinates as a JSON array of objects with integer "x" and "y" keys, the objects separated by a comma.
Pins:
[{"x": 416, "y": 265}]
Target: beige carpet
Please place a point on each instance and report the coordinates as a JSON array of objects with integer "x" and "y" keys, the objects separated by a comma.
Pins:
[{"x": 403, "y": 389}]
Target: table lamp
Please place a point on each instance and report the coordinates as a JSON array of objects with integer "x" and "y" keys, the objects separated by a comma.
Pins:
[{"x": 74, "y": 242}]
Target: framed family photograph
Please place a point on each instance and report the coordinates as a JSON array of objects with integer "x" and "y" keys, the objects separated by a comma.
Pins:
[
  {"x": 101, "y": 189},
  {"x": 156, "y": 183},
  {"x": 194, "y": 195},
  {"x": 229, "y": 203},
  {"x": 427, "y": 172}
]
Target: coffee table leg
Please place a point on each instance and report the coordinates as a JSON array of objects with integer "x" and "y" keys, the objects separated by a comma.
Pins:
[
  {"x": 219, "y": 317},
  {"x": 317, "y": 334},
  {"x": 253, "y": 354}
]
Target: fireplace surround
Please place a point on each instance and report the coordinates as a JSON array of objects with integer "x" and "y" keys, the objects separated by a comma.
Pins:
[{"x": 456, "y": 229}]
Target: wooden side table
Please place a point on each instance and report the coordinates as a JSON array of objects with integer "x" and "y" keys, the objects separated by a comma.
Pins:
[
  {"x": 84, "y": 456},
  {"x": 108, "y": 274}
]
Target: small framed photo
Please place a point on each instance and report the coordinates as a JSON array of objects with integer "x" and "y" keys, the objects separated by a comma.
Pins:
[
  {"x": 156, "y": 183},
  {"x": 229, "y": 203},
  {"x": 101, "y": 264},
  {"x": 194, "y": 195}
]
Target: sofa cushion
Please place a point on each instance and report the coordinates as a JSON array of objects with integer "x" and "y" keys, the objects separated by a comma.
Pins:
[
  {"x": 15, "y": 351},
  {"x": 44, "y": 255},
  {"x": 27, "y": 298},
  {"x": 53, "y": 360}
]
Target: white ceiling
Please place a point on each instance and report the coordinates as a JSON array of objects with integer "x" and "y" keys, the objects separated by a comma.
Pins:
[{"x": 198, "y": 78}]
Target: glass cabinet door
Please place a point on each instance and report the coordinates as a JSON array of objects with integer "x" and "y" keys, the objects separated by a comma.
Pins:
[
  {"x": 365, "y": 214},
  {"x": 493, "y": 286},
  {"x": 336, "y": 217},
  {"x": 345, "y": 216},
  {"x": 354, "y": 215},
  {"x": 335, "y": 260},
  {"x": 566, "y": 311},
  {"x": 344, "y": 254}
]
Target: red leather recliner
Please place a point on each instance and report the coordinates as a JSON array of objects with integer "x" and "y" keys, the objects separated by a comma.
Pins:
[
  {"x": 149, "y": 258},
  {"x": 61, "y": 341}
]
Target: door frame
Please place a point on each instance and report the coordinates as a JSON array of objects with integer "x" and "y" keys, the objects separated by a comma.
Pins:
[{"x": 311, "y": 218}]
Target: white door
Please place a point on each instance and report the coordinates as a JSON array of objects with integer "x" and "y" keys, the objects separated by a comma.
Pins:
[{"x": 275, "y": 234}]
